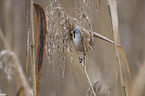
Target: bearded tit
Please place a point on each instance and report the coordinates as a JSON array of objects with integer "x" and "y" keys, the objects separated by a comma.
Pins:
[{"x": 81, "y": 39}]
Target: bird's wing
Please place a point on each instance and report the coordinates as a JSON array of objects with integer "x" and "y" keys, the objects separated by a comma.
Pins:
[{"x": 91, "y": 47}]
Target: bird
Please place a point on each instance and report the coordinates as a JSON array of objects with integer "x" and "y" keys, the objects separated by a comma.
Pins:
[
  {"x": 81, "y": 39},
  {"x": 82, "y": 42}
]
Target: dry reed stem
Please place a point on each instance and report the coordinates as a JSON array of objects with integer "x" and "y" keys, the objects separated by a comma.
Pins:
[
  {"x": 89, "y": 81},
  {"x": 33, "y": 47},
  {"x": 121, "y": 77},
  {"x": 18, "y": 67},
  {"x": 114, "y": 18},
  {"x": 27, "y": 28}
]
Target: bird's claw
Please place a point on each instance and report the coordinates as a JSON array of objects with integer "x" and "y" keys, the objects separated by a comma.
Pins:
[{"x": 80, "y": 60}]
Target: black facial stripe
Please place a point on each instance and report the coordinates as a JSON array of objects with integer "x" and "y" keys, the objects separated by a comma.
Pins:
[{"x": 74, "y": 33}]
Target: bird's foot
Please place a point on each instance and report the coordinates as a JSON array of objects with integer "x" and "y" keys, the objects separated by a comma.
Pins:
[{"x": 80, "y": 60}]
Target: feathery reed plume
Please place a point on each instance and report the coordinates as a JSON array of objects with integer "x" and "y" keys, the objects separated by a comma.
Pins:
[{"x": 99, "y": 88}]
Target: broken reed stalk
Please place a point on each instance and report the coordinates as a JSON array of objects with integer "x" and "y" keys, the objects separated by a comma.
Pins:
[
  {"x": 114, "y": 19},
  {"x": 18, "y": 68},
  {"x": 33, "y": 47},
  {"x": 89, "y": 81}
]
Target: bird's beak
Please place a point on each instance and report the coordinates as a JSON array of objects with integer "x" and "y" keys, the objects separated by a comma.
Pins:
[{"x": 71, "y": 32}]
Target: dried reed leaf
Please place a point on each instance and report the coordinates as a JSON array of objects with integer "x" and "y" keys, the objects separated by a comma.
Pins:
[
  {"x": 124, "y": 57},
  {"x": 40, "y": 42},
  {"x": 20, "y": 92}
]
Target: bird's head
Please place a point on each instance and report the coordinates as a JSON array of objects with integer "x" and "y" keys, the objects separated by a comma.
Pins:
[{"x": 75, "y": 33}]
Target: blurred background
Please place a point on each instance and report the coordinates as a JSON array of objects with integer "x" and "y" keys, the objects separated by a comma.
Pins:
[{"x": 100, "y": 63}]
